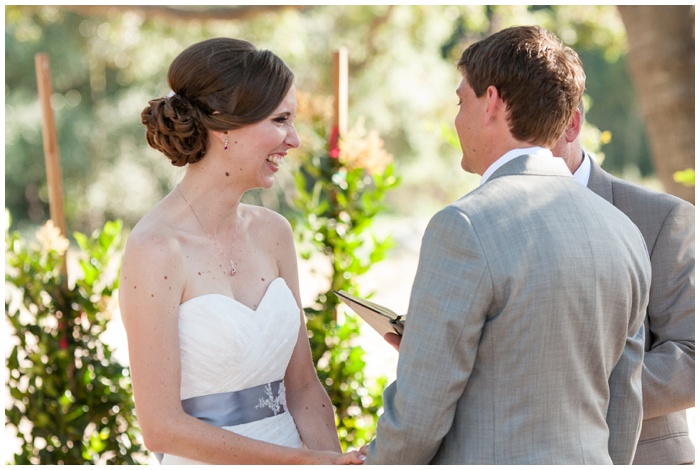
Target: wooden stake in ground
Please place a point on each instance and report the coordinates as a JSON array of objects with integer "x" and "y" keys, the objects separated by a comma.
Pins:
[
  {"x": 51, "y": 156},
  {"x": 340, "y": 90},
  {"x": 340, "y": 116},
  {"x": 53, "y": 176}
]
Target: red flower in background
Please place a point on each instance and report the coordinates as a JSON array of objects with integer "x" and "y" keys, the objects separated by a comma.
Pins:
[{"x": 333, "y": 149}]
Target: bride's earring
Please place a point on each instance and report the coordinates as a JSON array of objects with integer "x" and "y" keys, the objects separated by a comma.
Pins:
[{"x": 226, "y": 143}]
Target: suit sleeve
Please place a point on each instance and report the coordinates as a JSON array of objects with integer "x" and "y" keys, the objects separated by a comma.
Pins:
[
  {"x": 450, "y": 298},
  {"x": 668, "y": 377},
  {"x": 624, "y": 416}
]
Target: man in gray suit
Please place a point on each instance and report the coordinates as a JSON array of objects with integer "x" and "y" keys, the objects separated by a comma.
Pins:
[
  {"x": 668, "y": 226},
  {"x": 523, "y": 339}
]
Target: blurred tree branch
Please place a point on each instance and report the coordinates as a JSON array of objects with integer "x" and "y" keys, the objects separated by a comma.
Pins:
[
  {"x": 186, "y": 13},
  {"x": 374, "y": 26}
]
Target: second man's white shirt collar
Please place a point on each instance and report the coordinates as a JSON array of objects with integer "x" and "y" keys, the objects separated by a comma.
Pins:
[{"x": 583, "y": 173}]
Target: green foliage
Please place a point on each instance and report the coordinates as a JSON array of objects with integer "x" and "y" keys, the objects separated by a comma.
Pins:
[
  {"x": 685, "y": 177},
  {"x": 339, "y": 193},
  {"x": 71, "y": 400}
]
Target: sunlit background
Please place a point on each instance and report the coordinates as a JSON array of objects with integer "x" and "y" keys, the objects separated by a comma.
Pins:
[{"x": 107, "y": 62}]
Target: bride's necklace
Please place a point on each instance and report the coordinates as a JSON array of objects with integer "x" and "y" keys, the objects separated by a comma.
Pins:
[{"x": 228, "y": 258}]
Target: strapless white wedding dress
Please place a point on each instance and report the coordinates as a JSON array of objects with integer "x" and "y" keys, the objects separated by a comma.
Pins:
[{"x": 227, "y": 347}]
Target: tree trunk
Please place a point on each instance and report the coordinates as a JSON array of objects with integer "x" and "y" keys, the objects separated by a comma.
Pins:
[{"x": 662, "y": 66}]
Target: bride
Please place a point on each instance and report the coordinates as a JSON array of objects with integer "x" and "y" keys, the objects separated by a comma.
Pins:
[{"x": 209, "y": 292}]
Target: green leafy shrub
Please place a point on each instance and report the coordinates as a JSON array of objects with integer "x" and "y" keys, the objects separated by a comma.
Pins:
[
  {"x": 71, "y": 400},
  {"x": 341, "y": 187}
]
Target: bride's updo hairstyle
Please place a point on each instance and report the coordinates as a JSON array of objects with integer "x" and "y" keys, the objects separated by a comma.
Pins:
[{"x": 219, "y": 84}]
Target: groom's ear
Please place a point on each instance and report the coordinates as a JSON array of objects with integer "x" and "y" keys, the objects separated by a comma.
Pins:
[
  {"x": 574, "y": 128},
  {"x": 495, "y": 107}
]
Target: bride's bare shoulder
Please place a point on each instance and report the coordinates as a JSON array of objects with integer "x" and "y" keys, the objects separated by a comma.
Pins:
[
  {"x": 265, "y": 219},
  {"x": 153, "y": 237}
]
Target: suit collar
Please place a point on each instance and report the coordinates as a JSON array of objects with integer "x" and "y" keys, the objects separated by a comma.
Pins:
[
  {"x": 532, "y": 165},
  {"x": 599, "y": 182},
  {"x": 510, "y": 155}
]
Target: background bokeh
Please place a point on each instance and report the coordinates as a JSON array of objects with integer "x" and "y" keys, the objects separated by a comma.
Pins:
[{"x": 107, "y": 62}]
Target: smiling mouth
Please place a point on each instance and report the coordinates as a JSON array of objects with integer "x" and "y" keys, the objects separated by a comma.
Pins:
[{"x": 275, "y": 159}]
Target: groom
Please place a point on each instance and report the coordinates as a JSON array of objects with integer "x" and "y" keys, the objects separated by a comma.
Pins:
[{"x": 523, "y": 340}]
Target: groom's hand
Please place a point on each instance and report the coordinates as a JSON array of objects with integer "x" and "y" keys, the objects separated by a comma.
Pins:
[{"x": 393, "y": 339}]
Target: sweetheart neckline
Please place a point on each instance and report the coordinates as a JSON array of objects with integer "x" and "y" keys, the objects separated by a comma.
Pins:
[{"x": 215, "y": 294}]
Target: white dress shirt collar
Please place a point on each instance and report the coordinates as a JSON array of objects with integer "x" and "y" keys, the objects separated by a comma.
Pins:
[
  {"x": 583, "y": 173},
  {"x": 512, "y": 154}
]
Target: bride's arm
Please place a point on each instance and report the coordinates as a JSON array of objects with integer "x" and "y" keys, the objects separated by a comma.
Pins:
[
  {"x": 150, "y": 286},
  {"x": 307, "y": 400},
  {"x": 151, "y": 283}
]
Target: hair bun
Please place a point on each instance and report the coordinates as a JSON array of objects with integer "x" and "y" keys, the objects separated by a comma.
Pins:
[
  {"x": 174, "y": 127},
  {"x": 219, "y": 85}
]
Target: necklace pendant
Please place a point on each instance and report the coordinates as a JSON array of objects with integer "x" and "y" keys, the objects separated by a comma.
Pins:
[{"x": 233, "y": 269}]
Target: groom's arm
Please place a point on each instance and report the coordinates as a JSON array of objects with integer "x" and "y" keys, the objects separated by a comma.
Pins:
[
  {"x": 625, "y": 408},
  {"x": 450, "y": 296}
]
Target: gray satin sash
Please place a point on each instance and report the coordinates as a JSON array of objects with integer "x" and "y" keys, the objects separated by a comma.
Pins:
[{"x": 240, "y": 407}]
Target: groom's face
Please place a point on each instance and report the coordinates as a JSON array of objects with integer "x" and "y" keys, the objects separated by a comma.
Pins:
[{"x": 468, "y": 123}]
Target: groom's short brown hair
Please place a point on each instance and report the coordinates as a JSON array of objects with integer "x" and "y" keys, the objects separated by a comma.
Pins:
[{"x": 539, "y": 78}]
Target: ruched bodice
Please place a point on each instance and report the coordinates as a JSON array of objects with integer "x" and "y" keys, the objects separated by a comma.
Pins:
[{"x": 226, "y": 346}]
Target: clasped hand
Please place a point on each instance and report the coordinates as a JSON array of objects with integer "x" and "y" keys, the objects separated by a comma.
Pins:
[
  {"x": 353, "y": 457},
  {"x": 393, "y": 339}
]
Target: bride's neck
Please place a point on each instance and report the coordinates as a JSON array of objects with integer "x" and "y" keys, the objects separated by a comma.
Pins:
[{"x": 212, "y": 204}]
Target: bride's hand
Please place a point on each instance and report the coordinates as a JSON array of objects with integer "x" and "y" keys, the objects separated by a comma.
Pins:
[{"x": 354, "y": 457}]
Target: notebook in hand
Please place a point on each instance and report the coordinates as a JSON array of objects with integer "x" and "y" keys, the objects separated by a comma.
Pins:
[{"x": 382, "y": 319}]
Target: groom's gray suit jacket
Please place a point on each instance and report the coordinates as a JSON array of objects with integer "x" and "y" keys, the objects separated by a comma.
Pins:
[
  {"x": 523, "y": 340},
  {"x": 668, "y": 378}
]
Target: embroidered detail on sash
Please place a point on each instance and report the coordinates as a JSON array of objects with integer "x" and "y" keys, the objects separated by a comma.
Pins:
[{"x": 274, "y": 403}]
